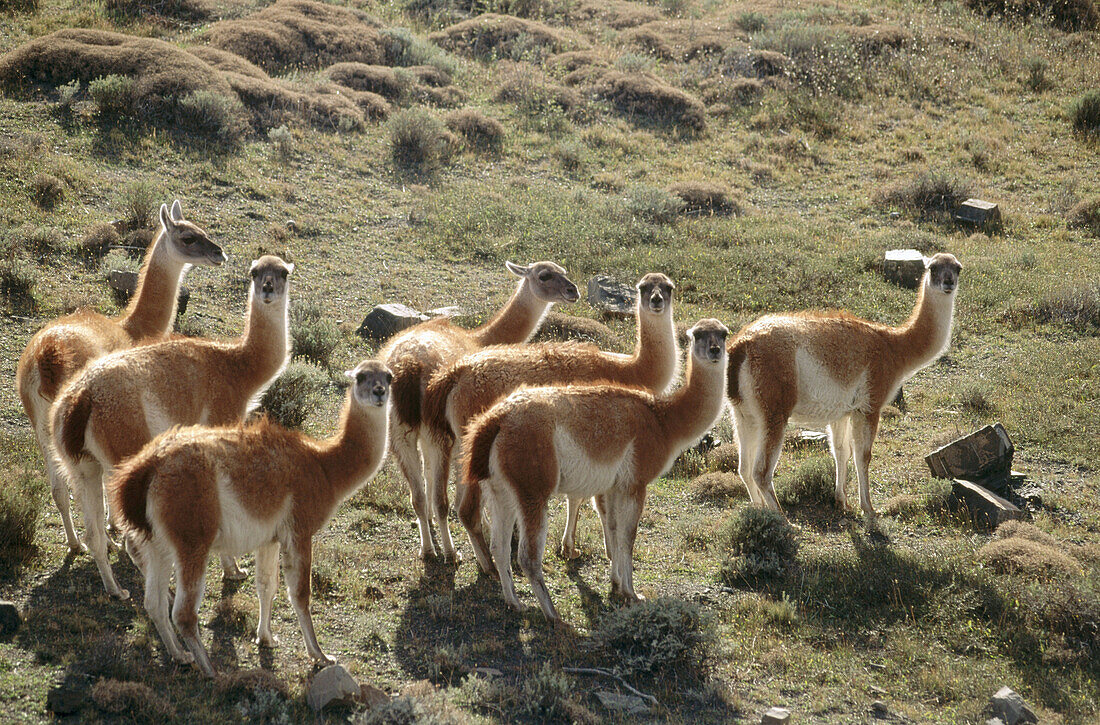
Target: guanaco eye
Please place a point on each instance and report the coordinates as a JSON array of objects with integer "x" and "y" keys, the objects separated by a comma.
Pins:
[
  {"x": 360, "y": 377},
  {"x": 544, "y": 276}
]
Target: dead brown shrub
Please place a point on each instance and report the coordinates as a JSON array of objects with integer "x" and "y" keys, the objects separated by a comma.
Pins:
[
  {"x": 684, "y": 38},
  {"x": 527, "y": 86},
  {"x": 705, "y": 198},
  {"x": 557, "y": 327},
  {"x": 429, "y": 75},
  {"x": 1025, "y": 556},
  {"x": 717, "y": 487},
  {"x": 238, "y": 685},
  {"x": 504, "y": 36},
  {"x": 874, "y": 38},
  {"x": 723, "y": 458},
  {"x": 189, "y": 10},
  {"x": 301, "y": 34},
  {"x": 647, "y": 98},
  {"x": 1024, "y": 530},
  {"x": 574, "y": 59},
  {"x": 734, "y": 91},
  {"x": 445, "y": 97},
  {"x": 617, "y": 14},
  {"x": 138, "y": 701},
  {"x": 756, "y": 63},
  {"x": 378, "y": 79},
  {"x": 227, "y": 62},
  {"x": 479, "y": 130},
  {"x": 1068, "y": 15},
  {"x": 1086, "y": 215},
  {"x": 46, "y": 190},
  {"x": 99, "y": 240}
]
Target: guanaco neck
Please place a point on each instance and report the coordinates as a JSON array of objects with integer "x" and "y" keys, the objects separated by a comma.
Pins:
[
  {"x": 656, "y": 353},
  {"x": 689, "y": 412},
  {"x": 153, "y": 306},
  {"x": 261, "y": 354},
  {"x": 516, "y": 321},
  {"x": 355, "y": 451},
  {"x": 927, "y": 332}
]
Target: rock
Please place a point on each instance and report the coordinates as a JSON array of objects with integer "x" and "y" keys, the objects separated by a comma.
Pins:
[
  {"x": 487, "y": 672},
  {"x": 903, "y": 267},
  {"x": 384, "y": 321},
  {"x": 124, "y": 283},
  {"x": 1009, "y": 707},
  {"x": 984, "y": 456},
  {"x": 611, "y": 297},
  {"x": 986, "y": 508},
  {"x": 452, "y": 311},
  {"x": 292, "y": 226},
  {"x": 629, "y": 704},
  {"x": 776, "y": 716},
  {"x": 9, "y": 618},
  {"x": 879, "y": 708},
  {"x": 371, "y": 696},
  {"x": 68, "y": 697},
  {"x": 330, "y": 685},
  {"x": 981, "y": 214},
  {"x": 994, "y": 721}
]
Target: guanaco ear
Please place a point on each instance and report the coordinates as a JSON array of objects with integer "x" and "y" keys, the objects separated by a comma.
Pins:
[
  {"x": 177, "y": 211},
  {"x": 252, "y": 267},
  {"x": 518, "y": 270},
  {"x": 927, "y": 261},
  {"x": 289, "y": 267},
  {"x": 164, "y": 218},
  {"x": 350, "y": 374}
]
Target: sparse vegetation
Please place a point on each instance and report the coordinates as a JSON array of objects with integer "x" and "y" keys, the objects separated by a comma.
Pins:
[
  {"x": 760, "y": 543},
  {"x": 133, "y": 699},
  {"x": 418, "y": 140},
  {"x": 1085, "y": 113},
  {"x": 313, "y": 334},
  {"x": 479, "y": 130},
  {"x": 21, "y": 502},
  {"x": 928, "y": 195},
  {"x": 665, "y": 639},
  {"x": 47, "y": 190}
]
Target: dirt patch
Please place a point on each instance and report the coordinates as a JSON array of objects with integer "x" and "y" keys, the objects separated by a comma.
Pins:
[
  {"x": 505, "y": 36},
  {"x": 684, "y": 39},
  {"x": 301, "y": 34},
  {"x": 645, "y": 97},
  {"x": 617, "y": 14}
]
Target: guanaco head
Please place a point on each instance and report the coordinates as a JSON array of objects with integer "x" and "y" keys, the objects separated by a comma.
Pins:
[
  {"x": 547, "y": 281},
  {"x": 655, "y": 293},
  {"x": 269, "y": 278},
  {"x": 186, "y": 241},
  {"x": 943, "y": 272},
  {"x": 708, "y": 341},
  {"x": 370, "y": 381}
]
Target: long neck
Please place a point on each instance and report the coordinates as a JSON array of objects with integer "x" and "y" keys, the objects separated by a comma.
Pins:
[
  {"x": 262, "y": 351},
  {"x": 927, "y": 332},
  {"x": 692, "y": 410},
  {"x": 153, "y": 306},
  {"x": 356, "y": 451},
  {"x": 516, "y": 321},
  {"x": 656, "y": 353}
]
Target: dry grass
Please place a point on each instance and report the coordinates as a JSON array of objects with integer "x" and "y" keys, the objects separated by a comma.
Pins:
[
  {"x": 558, "y": 327},
  {"x": 1024, "y": 530},
  {"x": 717, "y": 487},
  {"x": 928, "y": 195},
  {"x": 1017, "y": 555},
  {"x": 502, "y": 36},
  {"x": 618, "y": 14},
  {"x": 187, "y": 10},
  {"x": 646, "y": 98},
  {"x": 684, "y": 39},
  {"x": 479, "y": 130},
  {"x": 133, "y": 699},
  {"x": 1075, "y": 307},
  {"x": 705, "y": 198},
  {"x": 46, "y": 190},
  {"x": 380, "y": 79}
]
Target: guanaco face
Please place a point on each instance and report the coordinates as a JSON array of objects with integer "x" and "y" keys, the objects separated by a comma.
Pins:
[
  {"x": 709, "y": 341},
  {"x": 655, "y": 292},
  {"x": 269, "y": 278},
  {"x": 187, "y": 243},
  {"x": 371, "y": 380},
  {"x": 547, "y": 280},
  {"x": 943, "y": 271}
]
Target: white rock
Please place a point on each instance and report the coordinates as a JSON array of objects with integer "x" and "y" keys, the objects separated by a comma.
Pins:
[
  {"x": 330, "y": 684},
  {"x": 1011, "y": 708},
  {"x": 776, "y": 716}
]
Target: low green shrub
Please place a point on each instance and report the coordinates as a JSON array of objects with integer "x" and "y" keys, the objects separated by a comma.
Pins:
[
  {"x": 314, "y": 336},
  {"x": 760, "y": 543},
  {"x": 1085, "y": 113},
  {"x": 418, "y": 139},
  {"x": 212, "y": 115},
  {"x": 666, "y": 639},
  {"x": 812, "y": 483},
  {"x": 21, "y": 501},
  {"x": 113, "y": 95},
  {"x": 294, "y": 394},
  {"x": 651, "y": 204}
]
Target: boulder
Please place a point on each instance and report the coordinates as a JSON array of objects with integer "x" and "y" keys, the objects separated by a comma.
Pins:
[
  {"x": 371, "y": 696},
  {"x": 124, "y": 283},
  {"x": 9, "y": 618},
  {"x": 983, "y": 215},
  {"x": 903, "y": 267},
  {"x": 611, "y": 297},
  {"x": 1010, "y": 708},
  {"x": 332, "y": 684},
  {"x": 628, "y": 704},
  {"x": 384, "y": 321},
  {"x": 984, "y": 456},
  {"x": 986, "y": 508},
  {"x": 776, "y": 716}
]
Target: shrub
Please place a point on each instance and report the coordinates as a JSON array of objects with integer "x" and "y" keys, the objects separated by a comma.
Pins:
[
  {"x": 811, "y": 484},
  {"x": 192, "y": 10},
  {"x": 717, "y": 487},
  {"x": 822, "y": 60},
  {"x": 99, "y": 240},
  {"x": 1085, "y": 215},
  {"x": 723, "y": 458},
  {"x": 972, "y": 400},
  {"x": 403, "y": 710},
  {"x": 1076, "y": 307},
  {"x": 651, "y": 204},
  {"x": 1027, "y": 556},
  {"x": 1023, "y": 530},
  {"x": 648, "y": 99},
  {"x": 494, "y": 36},
  {"x": 752, "y": 22},
  {"x": 634, "y": 63},
  {"x": 1068, "y": 15},
  {"x": 46, "y": 190},
  {"x": 17, "y": 281},
  {"x": 66, "y": 96},
  {"x": 688, "y": 464},
  {"x": 25, "y": 6},
  {"x": 528, "y": 88},
  {"x": 236, "y": 685},
  {"x": 701, "y": 197},
  {"x": 570, "y": 154},
  {"x": 283, "y": 140},
  {"x": 1036, "y": 79},
  {"x": 139, "y": 203},
  {"x": 417, "y": 139},
  {"x": 761, "y": 543},
  {"x": 294, "y": 394},
  {"x": 1085, "y": 113},
  {"x": 21, "y": 501},
  {"x": 113, "y": 95},
  {"x": 479, "y": 130},
  {"x": 927, "y": 194},
  {"x": 314, "y": 336},
  {"x": 380, "y": 79},
  {"x": 405, "y": 49},
  {"x": 133, "y": 699},
  {"x": 545, "y": 695},
  {"x": 212, "y": 115},
  {"x": 666, "y": 639}
]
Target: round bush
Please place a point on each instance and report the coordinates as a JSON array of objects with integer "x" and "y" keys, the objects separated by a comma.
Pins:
[
  {"x": 418, "y": 138},
  {"x": 294, "y": 394},
  {"x": 663, "y": 638},
  {"x": 761, "y": 543}
]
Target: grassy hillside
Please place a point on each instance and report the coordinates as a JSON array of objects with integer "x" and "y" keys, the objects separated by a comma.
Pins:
[{"x": 763, "y": 154}]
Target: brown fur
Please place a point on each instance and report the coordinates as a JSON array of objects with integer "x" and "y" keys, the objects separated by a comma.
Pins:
[
  {"x": 603, "y": 440},
  {"x": 242, "y": 488}
]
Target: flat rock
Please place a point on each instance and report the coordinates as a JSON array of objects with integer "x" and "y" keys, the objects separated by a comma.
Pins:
[
  {"x": 986, "y": 508},
  {"x": 903, "y": 267},
  {"x": 776, "y": 716},
  {"x": 611, "y": 297},
  {"x": 384, "y": 321},
  {"x": 629, "y": 704},
  {"x": 1009, "y": 707},
  {"x": 984, "y": 456},
  {"x": 977, "y": 213},
  {"x": 332, "y": 684},
  {"x": 371, "y": 696},
  {"x": 10, "y": 618},
  {"x": 123, "y": 284}
]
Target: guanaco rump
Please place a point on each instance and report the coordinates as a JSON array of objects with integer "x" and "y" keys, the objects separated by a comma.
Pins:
[
  {"x": 606, "y": 441},
  {"x": 414, "y": 355},
  {"x": 470, "y": 386},
  {"x": 237, "y": 489},
  {"x": 831, "y": 368},
  {"x": 63, "y": 347},
  {"x": 121, "y": 401}
]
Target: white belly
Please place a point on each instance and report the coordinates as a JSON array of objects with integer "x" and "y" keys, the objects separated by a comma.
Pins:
[
  {"x": 582, "y": 477},
  {"x": 239, "y": 531},
  {"x": 821, "y": 398}
]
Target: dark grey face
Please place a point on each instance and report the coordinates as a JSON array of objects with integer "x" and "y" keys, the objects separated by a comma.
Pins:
[
  {"x": 943, "y": 272},
  {"x": 655, "y": 292},
  {"x": 269, "y": 278},
  {"x": 371, "y": 380},
  {"x": 709, "y": 341},
  {"x": 550, "y": 284}
]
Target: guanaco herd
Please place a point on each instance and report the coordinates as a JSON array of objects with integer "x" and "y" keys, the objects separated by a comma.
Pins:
[{"x": 157, "y": 422}]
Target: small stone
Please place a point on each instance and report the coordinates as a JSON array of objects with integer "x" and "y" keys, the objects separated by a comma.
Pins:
[
  {"x": 776, "y": 716},
  {"x": 331, "y": 684},
  {"x": 1010, "y": 707},
  {"x": 123, "y": 284},
  {"x": 384, "y": 321},
  {"x": 452, "y": 311},
  {"x": 879, "y": 707},
  {"x": 977, "y": 213},
  {"x": 292, "y": 226},
  {"x": 371, "y": 696},
  {"x": 994, "y": 721},
  {"x": 629, "y": 704},
  {"x": 611, "y": 297},
  {"x": 903, "y": 267},
  {"x": 9, "y": 618}
]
